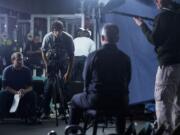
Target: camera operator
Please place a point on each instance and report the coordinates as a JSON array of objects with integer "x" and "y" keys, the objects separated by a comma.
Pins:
[{"x": 57, "y": 53}]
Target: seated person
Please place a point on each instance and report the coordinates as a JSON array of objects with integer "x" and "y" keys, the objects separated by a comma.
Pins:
[
  {"x": 107, "y": 74},
  {"x": 17, "y": 79}
]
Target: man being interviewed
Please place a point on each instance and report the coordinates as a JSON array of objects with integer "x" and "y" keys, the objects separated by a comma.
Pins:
[{"x": 107, "y": 75}]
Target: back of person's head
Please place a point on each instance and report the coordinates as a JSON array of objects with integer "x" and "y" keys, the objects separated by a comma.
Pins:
[
  {"x": 110, "y": 33},
  {"x": 57, "y": 26},
  {"x": 79, "y": 32},
  {"x": 87, "y": 33},
  {"x": 84, "y": 32}
]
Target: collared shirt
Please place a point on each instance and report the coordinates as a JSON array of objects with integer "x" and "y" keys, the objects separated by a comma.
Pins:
[
  {"x": 64, "y": 44},
  {"x": 84, "y": 46},
  {"x": 107, "y": 71}
]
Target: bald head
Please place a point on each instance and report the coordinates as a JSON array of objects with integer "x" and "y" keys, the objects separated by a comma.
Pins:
[{"x": 17, "y": 60}]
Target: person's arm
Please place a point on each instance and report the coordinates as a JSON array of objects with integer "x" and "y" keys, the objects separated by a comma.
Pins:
[
  {"x": 154, "y": 34},
  {"x": 25, "y": 91},
  {"x": 5, "y": 81},
  {"x": 92, "y": 47},
  {"x": 70, "y": 50},
  {"x": 157, "y": 35},
  {"x": 85, "y": 74},
  {"x": 28, "y": 89},
  {"x": 87, "y": 71},
  {"x": 69, "y": 69},
  {"x": 11, "y": 90},
  {"x": 44, "y": 58},
  {"x": 146, "y": 30}
]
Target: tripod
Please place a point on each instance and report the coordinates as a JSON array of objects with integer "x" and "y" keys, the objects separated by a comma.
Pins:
[{"x": 57, "y": 94}]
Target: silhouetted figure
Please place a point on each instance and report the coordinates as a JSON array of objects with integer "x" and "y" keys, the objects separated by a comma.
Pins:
[{"x": 165, "y": 36}]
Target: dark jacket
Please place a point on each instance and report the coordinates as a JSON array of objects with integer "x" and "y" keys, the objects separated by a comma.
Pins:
[
  {"x": 166, "y": 35},
  {"x": 107, "y": 72}
]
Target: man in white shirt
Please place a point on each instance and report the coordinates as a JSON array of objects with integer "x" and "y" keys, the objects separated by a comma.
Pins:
[{"x": 83, "y": 46}]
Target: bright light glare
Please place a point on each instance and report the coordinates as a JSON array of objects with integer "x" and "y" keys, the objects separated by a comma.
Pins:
[{"x": 104, "y": 2}]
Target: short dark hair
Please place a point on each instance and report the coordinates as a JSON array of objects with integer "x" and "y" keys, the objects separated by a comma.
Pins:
[
  {"x": 57, "y": 25},
  {"x": 87, "y": 33},
  {"x": 16, "y": 55},
  {"x": 111, "y": 31}
]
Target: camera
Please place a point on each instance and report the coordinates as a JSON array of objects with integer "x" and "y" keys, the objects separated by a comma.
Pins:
[
  {"x": 57, "y": 58},
  {"x": 51, "y": 54},
  {"x": 53, "y": 61}
]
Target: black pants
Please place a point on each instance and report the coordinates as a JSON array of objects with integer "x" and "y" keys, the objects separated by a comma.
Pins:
[
  {"x": 26, "y": 108},
  {"x": 51, "y": 91},
  {"x": 83, "y": 101},
  {"x": 78, "y": 68}
]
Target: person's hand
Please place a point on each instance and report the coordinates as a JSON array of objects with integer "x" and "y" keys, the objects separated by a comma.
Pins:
[
  {"x": 21, "y": 92},
  {"x": 66, "y": 77},
  {"x": 138, "y": 21}
]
